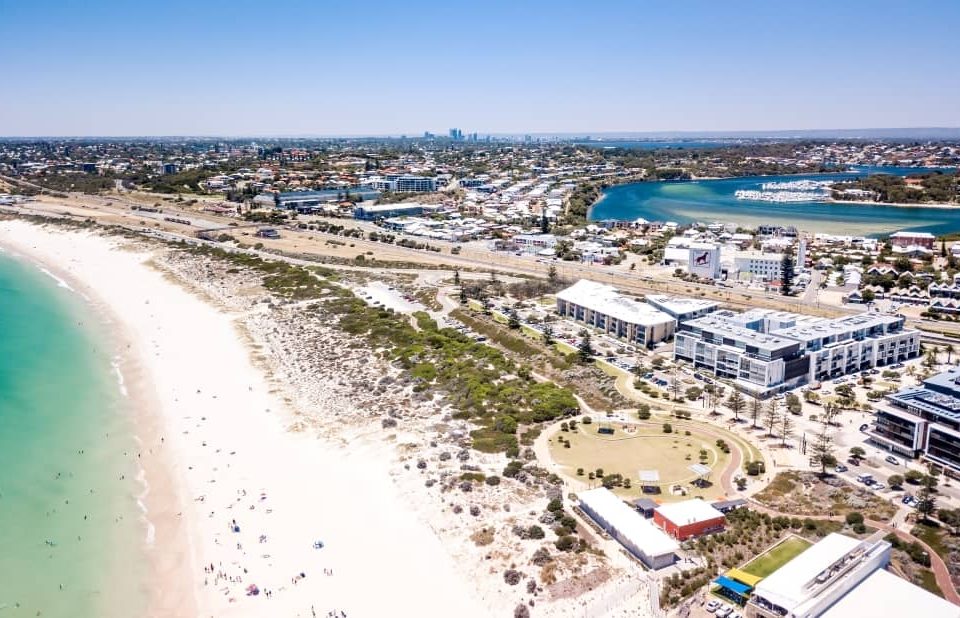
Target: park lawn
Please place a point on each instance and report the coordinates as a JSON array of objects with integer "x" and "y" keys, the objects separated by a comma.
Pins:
[
  {"x": 777, "y": 556},
  {"x": 648, "y": 448}
]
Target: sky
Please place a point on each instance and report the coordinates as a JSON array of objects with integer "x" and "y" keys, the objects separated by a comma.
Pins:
[{"x": 289, "y": 67}]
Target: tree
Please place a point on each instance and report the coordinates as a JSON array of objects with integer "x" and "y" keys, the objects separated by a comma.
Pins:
[
  {"x": 756, "y": 407},
  {"x": 913, "y": 477},
  {"x": 736, "y": 404},
  {"x": 456, "y": 277},
  {"x": 949, "y": 350},
  {"x": 786, "y": 428},
  {"x": 772, "y": 416},
  {"x": 857, "y": 452},
  {"x": 552, "y": 274},
  {"x": 513, "y": 319},
  {"x": 786, "y": 274},
  {"x": 667, "y": 428},
  {"x": 950, "y": 518},
  {"x": 830, "y": 412},
  {"x": 895, "y": 481},
  {"x": 585, "y": 349},
  {"x": 547, "y": 334},
  {"x": 926, "y": 499},
  {"x": 463, "y": 296},
  {"x": 822, "y": 449},
  {"x": 544, "y": 224},
  {"x": 693, "y": 393},
  {"x": 793, "y": 404}
]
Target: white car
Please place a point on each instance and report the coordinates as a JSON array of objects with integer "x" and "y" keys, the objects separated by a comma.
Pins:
[
  {"x": 712, "y": 605},
  {"x": 878, "y": 487},
  {"x": 724, "y": 611}
]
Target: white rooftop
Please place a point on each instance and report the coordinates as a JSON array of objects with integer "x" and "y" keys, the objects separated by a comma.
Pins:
[
  {"x": 785, "y": 586},
  {"x": 630, "y": 524},
  {"x": 606, "y": 300},
  {"x": 885, "y": 594},
  {"x": 680, "y": 304},
  {"x": 912, "y": 235},
  {"x": 689, "y": 512}
]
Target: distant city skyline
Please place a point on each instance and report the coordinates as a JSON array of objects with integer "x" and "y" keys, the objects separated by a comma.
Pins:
[{"x": 298, "y": 69}]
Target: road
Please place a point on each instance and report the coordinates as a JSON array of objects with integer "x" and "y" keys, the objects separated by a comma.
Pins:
[{"x": 115, "y": 210}]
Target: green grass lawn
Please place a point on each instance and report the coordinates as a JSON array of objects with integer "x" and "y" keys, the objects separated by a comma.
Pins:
[
  {"x": 610, "y": 370},
  {"x": 932, "y": 535},
  {"x": 777, "y": 556},
  {"x": 928, "y": 581},
  {"x": 641, "y": 448}
]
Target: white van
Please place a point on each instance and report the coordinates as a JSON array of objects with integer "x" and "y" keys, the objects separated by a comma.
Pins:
[{"x": 863, "y": 478}]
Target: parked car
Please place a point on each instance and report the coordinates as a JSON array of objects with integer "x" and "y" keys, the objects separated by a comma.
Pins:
[
  {"x": 724, "y": 611},
  {"x": 864, "y": 427},
  {"x": 840, "y": 468},
  {"x": 712, "y": 605},
  {"x": 865, "y": 478},
  {"x": 878, "y": 487},
  {"x": 907, "y": 499},
  {"x": 890, "y": 459}
]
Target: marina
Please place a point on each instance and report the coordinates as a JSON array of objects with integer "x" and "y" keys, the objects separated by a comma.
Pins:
[{"x": 786, "y": 200}]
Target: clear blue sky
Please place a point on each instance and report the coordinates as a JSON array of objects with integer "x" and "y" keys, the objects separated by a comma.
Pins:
[{"x": 286, "y": 67}]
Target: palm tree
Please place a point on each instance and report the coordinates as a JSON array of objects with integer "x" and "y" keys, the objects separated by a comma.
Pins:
[{"x": 949, "y": 351}]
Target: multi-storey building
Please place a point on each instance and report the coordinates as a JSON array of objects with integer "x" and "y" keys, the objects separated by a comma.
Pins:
[
  {"x": 759, "y": 362},
  {"x": 761, "y": 266},
  {"x": 601, "y": 306},
  {"x": 770, "y": 351},
  {"x": 913, "y": 239},
  {"x": 923, "y": 421}
]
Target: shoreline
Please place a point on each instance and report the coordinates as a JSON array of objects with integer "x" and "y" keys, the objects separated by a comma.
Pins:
[
  {"x": 233, "y": 449},
  {"x": 696, "y": 179},
  {"x": 159, "y": 498}
]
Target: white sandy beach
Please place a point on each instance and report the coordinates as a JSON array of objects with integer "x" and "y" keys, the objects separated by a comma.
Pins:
[{"x": 217, "y": 450}]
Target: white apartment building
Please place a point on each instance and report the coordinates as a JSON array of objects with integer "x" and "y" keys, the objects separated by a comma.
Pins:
[
  {"x": 760, "y": 266},
  {"x": 770, "y": 351},
  {"x": 601, "y": 306}
]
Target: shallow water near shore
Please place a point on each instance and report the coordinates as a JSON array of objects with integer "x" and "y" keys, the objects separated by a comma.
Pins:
[
  {"x": 714, "y": 200},
  {"x": 72, "y": 536}
]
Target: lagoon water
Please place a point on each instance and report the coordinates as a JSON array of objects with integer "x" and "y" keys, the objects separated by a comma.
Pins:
[
  {"x": 66, "y": 517},
  {"x": 713, "y": 200}
]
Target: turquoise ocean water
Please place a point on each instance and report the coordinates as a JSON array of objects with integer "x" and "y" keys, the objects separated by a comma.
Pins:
[
  {"x": 68, "y": 476},
  {"x": 713, "y": 200}
]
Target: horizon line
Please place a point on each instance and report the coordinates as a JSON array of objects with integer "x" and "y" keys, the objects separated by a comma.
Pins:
[{"x": 585, "y": 134}]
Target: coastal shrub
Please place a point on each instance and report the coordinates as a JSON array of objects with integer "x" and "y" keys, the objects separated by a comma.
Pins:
[
  {"x": 493, "y": 480},
  {"x": 477, "y": 380},
  {"x": 535, "y": 532},
  {"x": 512, "y": 577},
  {"x": 854, "y": 518},
  {"x": 555, "y": 505},
  {"x": 566, "y": 543},
  {"x": 512, "y": 469}
]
